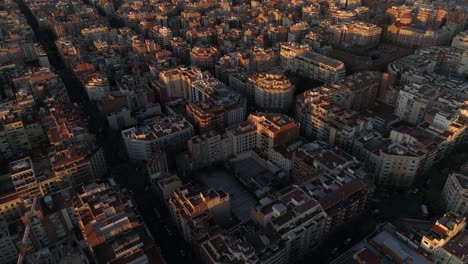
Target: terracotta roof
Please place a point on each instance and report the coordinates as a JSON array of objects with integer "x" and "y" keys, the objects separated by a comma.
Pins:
[{"x": 439, "y": 230}]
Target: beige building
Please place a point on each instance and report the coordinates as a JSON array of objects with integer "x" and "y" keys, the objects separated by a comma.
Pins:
[
  {"x": 261, "y": 60},
  {"x": 398, "y": 165},
  {"x": 272, "y": 91},
  {"x": 176, "y": 83},
  {"x": 415, "y": 38},
  {"x": 274, "y": 130},
  {"x": 364, "y": 34},
  {"x": 243, "y": 137},
  {"x": 204, "y": 58},
  {"x": 209, "y": 148}
]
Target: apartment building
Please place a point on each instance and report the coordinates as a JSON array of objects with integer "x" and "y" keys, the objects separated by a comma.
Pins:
[
  {"x": 364, "y": 35},
  {"x": 273, "y": 92},
  {"x": 387, "y": 244},
  {"x": 461, "y": 40},
  {"x": 341, "y": 194},
  {"x": 355, "y": 34},
  {"x": 413, "y": 102},
  {"x": 296, "y": 217},
  {"x": 76, "y": 164},
  {"x": 176, "y": 83},
  {"x": 24, "y": 178},
  {"x": 244, "y": 137},
  {"x": 211, "y": 89},
  {"x": 13, "y": 136},
  {"x": 51, "y": 220},
  {"x": 111, "y": 229},
  {"x": 169, "y": 134},
  {"x": 206, "y": 116},
  {"x": 405, "y": 35},
  {"x": 97, "y": 86},
  {"x": 274, "y": 130},
  {"x": 312, "y": 159},
  {"x": 204, "y": 57},
  {"x": 246, "y": 242},
  {"x": 189, "y": 201},
  {"x": 262, "y": 60},
  {"x": 303, "y": 61},
  {"x": 324, "y": 115},
  {"x": 398, "y": 165},
  {"x": 209, "y": 148},
  {"x": 10, "y": 206}
]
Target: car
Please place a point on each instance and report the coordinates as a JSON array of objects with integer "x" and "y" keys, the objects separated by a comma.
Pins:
[{"x": 347, "y": 241}]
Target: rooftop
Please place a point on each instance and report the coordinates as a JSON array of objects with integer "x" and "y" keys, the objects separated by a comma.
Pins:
[{"x": 158, "y": 128}]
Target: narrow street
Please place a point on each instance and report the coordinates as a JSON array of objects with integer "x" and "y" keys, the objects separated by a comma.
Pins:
[{"x": 154, "y": 213}]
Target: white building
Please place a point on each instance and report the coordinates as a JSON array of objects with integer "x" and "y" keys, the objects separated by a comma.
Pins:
[
  {"x": 97, "y": 87},
  {"x": 243, "y": 137},
  {"x": 461, "y": 40},
  {"x": 177, "y": 82},
  {"x": 455, "y": 194},
  {"x": 163, "y": 133},
  {"x": 413, "y": 103}
]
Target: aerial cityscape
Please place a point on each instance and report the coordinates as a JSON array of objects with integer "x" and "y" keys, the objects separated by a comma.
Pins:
[{"x": 233, "y": 131}]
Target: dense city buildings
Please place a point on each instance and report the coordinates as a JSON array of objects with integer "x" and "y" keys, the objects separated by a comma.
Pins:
[
  {"x": 296, "y": 217},
  {"x": 110, "y": 226},
  {"x": 156, "y": 131}
]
